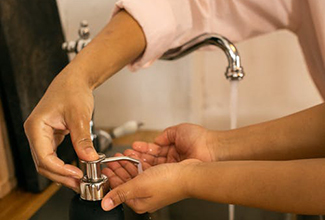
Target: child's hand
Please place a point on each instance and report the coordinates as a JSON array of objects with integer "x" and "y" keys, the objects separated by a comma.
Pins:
[{"x": 155, "y": 188}]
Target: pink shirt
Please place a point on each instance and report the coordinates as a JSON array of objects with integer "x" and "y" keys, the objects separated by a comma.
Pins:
[{"x": 171, "y": 23}]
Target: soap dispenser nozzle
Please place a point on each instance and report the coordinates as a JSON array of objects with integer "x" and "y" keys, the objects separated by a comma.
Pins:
[{"x": 94, "y": 185}]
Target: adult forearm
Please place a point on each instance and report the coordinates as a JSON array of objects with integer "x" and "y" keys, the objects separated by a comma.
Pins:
[
  {"x": 298, "y": 136},
  {"x": 119, "y": 43},
  {"x": 295, "y": 186}
]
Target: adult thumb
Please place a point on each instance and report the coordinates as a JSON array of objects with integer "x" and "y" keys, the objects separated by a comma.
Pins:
[{"x": 81, "y": 139}]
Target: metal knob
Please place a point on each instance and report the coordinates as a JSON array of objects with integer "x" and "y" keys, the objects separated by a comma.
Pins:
[
  {"x": 84, "y": 31},
  {"x": 94, "y": 185},
  {"x": 84, "y": 39}
]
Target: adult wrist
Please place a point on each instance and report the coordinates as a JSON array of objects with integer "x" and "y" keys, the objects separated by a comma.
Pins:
[
  {"x": 108, "y": 52},
  {"x": 75, "y": 75}
]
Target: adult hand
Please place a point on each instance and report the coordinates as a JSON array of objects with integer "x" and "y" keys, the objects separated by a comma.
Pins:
[
  {"x": 153, "y": 189},
  {"x": 65, "y": 108},
  {"x": 68, "y": 103}
]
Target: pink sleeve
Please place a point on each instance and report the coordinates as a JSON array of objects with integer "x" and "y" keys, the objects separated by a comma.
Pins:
[
  {"x": 156, "y": 17},
  {"x": 170, "y": 23}
]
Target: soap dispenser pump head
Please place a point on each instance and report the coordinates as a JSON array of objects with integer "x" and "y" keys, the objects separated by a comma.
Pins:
[{"x": 94, "y": 185}]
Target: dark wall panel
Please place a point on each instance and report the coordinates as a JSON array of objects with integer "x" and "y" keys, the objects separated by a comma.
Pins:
[{"x": 30, "y": 57}]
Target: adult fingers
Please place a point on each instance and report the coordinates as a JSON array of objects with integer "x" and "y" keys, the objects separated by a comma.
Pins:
[
  {"x": 66, "y": 181},
  {"x": 41, "y": 140},
  {"x": 59, "y": 136},
  {"x": 79, "y": 127}
]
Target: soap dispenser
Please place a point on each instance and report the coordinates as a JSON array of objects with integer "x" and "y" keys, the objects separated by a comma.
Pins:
[{"x": 93, "y": 187}]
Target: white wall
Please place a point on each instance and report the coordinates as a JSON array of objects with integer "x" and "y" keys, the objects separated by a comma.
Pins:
[{"x": 194, "y": 89}]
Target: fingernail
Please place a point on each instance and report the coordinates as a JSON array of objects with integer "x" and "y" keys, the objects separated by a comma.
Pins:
[
  {"x": 89, "y": 150},
  {"x": 91, "y": 153},
  {"x": 75, "y": 174},
  {"x": 108, "y": 204}
]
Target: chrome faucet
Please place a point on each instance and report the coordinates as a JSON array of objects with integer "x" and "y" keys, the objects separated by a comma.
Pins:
[{"x": 234, "y": 70}]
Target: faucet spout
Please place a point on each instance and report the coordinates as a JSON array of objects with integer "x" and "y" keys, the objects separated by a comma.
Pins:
[{"x": 234, "y": 70}]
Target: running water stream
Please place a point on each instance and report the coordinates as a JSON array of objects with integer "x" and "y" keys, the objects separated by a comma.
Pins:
[
  {"x": 233, "y": 125},
  {"x": 233, "y": 103}
]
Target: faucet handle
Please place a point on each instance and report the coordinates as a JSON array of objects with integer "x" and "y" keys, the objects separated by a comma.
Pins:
[
  {"x": 84, "y": 39},
  {"x": 84, "y": 31}
]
